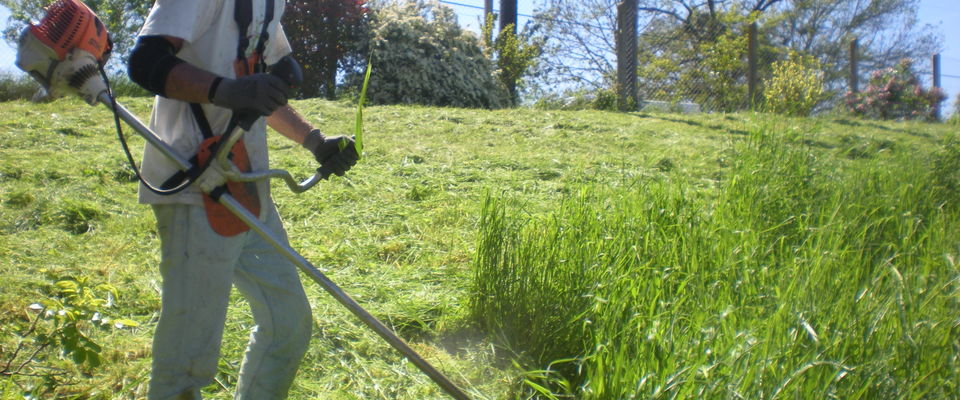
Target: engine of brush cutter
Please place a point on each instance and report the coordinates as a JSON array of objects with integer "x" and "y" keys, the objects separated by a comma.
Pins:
[{"x": 66, "y": 51}]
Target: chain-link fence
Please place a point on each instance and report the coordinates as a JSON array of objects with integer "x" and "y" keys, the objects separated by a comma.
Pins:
[
  {"x": 713, "y": 71},
  {"x": 736, "y": 69},
  {"x": 708, "y": 71}
]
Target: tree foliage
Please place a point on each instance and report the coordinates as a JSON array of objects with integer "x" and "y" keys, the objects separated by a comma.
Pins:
[
  {"x": 887, "y": 31},
  {"x": 709, "y": 69},
  {"x": 123, "y": 19},
  {"x": 421, "y": 56},
  {"x": 325, "y": 35},
  {"x": 675, "y": 33},
  {"x": 578, "y": 49}
]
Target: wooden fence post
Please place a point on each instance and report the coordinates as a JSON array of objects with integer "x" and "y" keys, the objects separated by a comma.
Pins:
[{"x": 752, "y": 65}]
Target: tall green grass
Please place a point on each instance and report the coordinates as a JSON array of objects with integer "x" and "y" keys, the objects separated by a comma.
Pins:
[{"x": 794, "y": 277}]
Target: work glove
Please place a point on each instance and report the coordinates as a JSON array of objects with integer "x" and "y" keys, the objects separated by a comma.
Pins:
[
  {"x": 335, "y": 154},
  {"x": 260, "y": 94}
]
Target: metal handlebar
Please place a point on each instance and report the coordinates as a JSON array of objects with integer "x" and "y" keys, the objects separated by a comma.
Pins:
[
  {"x": 233, "y": 173},
  {"x": 296, "y": 187}
]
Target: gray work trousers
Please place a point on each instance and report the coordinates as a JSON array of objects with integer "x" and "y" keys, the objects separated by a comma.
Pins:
[{"x": 198, "y": 267}]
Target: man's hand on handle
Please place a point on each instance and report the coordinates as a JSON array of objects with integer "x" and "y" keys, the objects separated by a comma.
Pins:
[
  {"x": 336, "y": 154},
  {"x": 260, "y": 94}
]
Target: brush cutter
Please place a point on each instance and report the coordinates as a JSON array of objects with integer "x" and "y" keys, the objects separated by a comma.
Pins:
[{"x": 66, "y": 53}]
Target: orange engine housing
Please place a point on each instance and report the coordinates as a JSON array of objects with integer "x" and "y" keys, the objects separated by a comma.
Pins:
[{"x": 70, "y": 24}]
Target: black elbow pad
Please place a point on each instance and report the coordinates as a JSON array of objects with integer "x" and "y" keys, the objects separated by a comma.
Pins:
[{"x": 151, "y": 61}]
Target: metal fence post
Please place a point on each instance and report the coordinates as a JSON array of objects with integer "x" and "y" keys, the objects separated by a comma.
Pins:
[
  {"x": 936, "y": 83},
  {"x": 508, "y": 17},
  {"x": 487, "y": 11},
  {"x": 626, "y": 44},
  {"x": 752, "y": 65},
  {"x": 508, "y": 14},
  {"x": 854, "y": 70}
]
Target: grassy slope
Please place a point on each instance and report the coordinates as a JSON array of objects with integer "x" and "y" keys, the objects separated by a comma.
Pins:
[
  {"x": 796, "y": 276},
  {"x": 398, "y": 235}
]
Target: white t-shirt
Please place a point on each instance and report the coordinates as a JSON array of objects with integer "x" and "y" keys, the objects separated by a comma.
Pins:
[{"x": 210, "y": 43}]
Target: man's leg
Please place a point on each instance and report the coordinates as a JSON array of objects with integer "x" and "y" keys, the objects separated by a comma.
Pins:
[
  {"x": 197, "y": 266},
  {"x": 281, "y": 312}
]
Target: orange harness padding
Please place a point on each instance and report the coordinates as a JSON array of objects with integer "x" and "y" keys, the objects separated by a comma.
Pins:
[{"x": 220, "y": 218}]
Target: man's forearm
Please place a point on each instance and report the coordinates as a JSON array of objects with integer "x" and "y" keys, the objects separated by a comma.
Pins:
[
  {"x": 189, "y": 83},
  {"x": 155, "y": 66},
  {"x": 288, "y": 122}
]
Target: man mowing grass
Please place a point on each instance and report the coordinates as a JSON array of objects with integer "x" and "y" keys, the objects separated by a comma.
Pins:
[{"x": 207, "y": 62}]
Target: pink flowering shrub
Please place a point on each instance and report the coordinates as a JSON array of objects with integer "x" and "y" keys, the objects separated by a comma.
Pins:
[{"x": 895, "y": 93}]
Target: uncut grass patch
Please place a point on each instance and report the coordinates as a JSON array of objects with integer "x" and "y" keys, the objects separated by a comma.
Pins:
[{"x": 795, "y": 277}]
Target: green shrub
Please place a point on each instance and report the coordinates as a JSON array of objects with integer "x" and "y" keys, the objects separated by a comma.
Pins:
[
  {"x": 606, "y": 99},
  {"x": 514, "y": 55},
  {"x": 23, "y": 87},
  {"x": 421, "y": 56},
  {"x": 955, "y": 118},
  {"x": 17, "y": 87},
  {"x": 796, "y": 86},
  {"x": 895, "y": 93}
]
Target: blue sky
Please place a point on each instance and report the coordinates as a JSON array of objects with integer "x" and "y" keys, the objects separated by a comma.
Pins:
[{"x": 942, "y": 14}]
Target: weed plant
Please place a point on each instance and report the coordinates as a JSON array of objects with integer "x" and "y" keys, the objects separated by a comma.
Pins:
[{"x": 796, "y": 277}]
